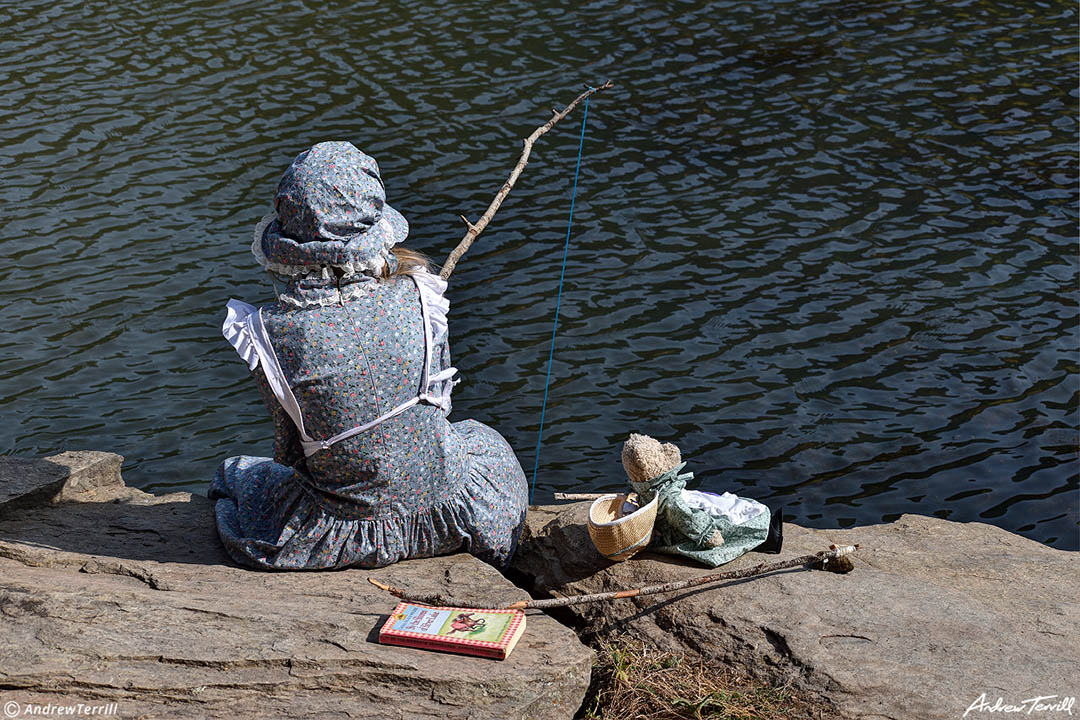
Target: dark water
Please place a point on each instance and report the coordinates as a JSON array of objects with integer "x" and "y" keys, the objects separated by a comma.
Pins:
[{"x": 829, "y": 248}]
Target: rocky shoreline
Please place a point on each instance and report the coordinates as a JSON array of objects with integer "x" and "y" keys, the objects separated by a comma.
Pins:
[
  {"x": 112, "y": 595},
  {"x": 935, "y": 614}
]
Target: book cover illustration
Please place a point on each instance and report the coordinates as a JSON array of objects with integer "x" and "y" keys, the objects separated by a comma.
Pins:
[{"x": 472, "y": 631}]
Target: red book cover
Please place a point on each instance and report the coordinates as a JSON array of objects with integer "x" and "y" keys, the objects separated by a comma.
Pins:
[{"x": 469, "y": 631}]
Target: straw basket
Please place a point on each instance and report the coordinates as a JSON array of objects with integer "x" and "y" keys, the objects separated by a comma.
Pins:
[{"x": 616, "y": 535}]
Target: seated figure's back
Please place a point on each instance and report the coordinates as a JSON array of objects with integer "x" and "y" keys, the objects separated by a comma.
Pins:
[{"x": 353, "y": 362}]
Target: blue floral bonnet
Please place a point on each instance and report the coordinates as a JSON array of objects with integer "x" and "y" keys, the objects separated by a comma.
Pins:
[{"x": 330, "y": 211}]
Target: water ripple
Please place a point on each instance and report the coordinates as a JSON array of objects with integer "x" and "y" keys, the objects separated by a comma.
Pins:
[{"x": 828, "y": 247}]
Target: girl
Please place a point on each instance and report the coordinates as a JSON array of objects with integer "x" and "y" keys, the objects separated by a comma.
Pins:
[{"x": 353, "y": 363}]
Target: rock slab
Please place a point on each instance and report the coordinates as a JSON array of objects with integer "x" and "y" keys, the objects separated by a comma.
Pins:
[
  {"x": 934, "y": 615},
  {"x": 112, "y": 595}
]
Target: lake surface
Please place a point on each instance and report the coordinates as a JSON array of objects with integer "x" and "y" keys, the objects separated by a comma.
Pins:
[{"x": 828, "y": 248}]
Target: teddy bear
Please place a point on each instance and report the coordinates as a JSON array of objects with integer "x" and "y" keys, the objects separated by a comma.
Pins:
[
  {"x": 653, "y": 470},
  {"x": 710, "y": 528}
]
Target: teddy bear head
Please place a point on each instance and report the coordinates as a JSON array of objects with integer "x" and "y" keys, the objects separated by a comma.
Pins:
[{"x": 645, "y": 458}]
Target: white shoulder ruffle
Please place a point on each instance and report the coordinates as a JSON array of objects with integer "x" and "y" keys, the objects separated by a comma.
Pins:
[
  {"x": 244, "y": 330},
  {"x": 237, "y": 330},
  {"x": 433, "y": 287}
]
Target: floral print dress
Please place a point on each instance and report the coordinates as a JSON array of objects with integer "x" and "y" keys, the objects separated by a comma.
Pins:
[
  {"x": 415, "y": 485},
  {"x": 355, "y": 371}
]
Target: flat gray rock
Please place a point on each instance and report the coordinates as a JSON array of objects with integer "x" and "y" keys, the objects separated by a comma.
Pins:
[
  {"x": 26, "y": 482},
  {"x": 935, "y": 614},
  {"x": 109, "y": 594}
]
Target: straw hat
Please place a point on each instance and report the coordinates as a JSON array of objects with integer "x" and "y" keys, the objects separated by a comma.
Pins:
[{"x": 618, "y": 534}]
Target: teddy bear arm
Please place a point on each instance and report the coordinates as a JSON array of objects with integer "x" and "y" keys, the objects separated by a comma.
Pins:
[{"x": 697, "y": 525}]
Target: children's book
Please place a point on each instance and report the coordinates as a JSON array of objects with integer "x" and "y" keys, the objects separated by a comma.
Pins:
[{"x": 487, "y": 633}]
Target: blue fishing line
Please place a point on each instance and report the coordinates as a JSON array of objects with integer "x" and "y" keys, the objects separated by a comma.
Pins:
[{"x": 558, "y": 301}]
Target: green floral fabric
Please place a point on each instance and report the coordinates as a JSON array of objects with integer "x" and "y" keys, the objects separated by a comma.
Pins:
[{"x": 684, "y": 530}]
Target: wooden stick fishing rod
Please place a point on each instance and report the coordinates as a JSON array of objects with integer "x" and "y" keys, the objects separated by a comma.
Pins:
[
  {"x": 478, "y": 227},
  {"x": 579, "y": 496}
]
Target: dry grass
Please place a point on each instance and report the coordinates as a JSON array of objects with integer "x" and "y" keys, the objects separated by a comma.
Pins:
[{"x": 634, "y": 682}]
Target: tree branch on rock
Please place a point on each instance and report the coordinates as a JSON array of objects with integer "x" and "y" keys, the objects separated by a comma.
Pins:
[{"x": 834, "y": 560}]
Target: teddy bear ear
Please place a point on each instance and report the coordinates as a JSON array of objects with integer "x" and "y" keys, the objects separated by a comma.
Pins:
[
  {"x": 671, "y": 452},
  {"x": 634, "y": 445}
]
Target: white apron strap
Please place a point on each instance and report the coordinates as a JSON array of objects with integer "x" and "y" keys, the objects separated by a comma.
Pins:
[
  {"x": 259, "y": 346},
  {"x": 275, "y": 376}
]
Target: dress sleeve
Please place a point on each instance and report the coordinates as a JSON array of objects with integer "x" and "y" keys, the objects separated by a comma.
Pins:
[
  {"x": 287, "y": 448},
  {"x": 440, "y": 361},
  {"x": 238, "y": 331}
]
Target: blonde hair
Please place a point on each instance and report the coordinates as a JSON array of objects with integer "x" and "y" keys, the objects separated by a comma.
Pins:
[{"x": 407, "y": 261}]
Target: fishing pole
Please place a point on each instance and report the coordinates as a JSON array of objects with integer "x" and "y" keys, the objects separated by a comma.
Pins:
[{"x": 474, "y": 229}]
